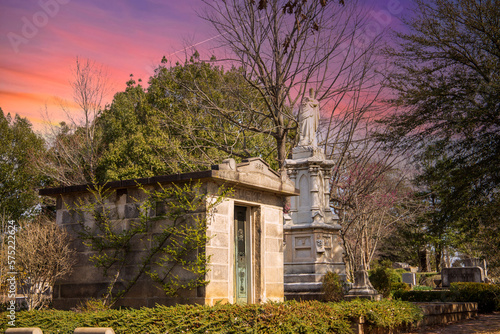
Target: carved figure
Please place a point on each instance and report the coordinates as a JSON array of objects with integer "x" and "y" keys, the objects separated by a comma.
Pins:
[{"x": 308, "y": 120}]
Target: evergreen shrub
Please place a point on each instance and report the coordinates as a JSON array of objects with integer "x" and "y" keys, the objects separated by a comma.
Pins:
[
  {"x": 386, "y": 280},
  {"x": 424, "y": 296},
  {"x": 486, "y": 295},
  {"x": 288, "y": 317},
  {"x": 332, "y": 287}
]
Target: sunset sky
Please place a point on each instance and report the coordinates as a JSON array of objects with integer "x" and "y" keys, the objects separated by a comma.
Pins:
[{"x": 40, "y": 40}]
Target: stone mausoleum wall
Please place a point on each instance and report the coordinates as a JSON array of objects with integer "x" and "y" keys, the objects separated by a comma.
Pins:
[{"x": 258, "y": 194}]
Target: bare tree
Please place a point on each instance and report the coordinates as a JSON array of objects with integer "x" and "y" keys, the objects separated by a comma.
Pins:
[
  {"x": 282, "y": 52},
  {"x": 43, "y": 255},
  {"x": 372, "y": 198},
  {"x": 73, "y": 151},
  {"x": 90, "y": 87}
]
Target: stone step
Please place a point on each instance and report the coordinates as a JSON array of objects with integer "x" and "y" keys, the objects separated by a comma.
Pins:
[
  {"x": 303, "y": 287},
  {"x": 303, "y": 296},
  {"x": 303, "y": 278}
]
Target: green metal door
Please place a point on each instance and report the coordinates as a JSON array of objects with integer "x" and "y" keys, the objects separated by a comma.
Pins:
[{"x": 242, "y": 254}]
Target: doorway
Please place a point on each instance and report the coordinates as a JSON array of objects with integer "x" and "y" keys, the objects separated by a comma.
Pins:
[{"x": 243, "y": 255}]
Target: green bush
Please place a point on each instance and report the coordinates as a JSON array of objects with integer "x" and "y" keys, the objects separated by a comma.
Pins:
[
  {"x": 385, "y": 280},
  {"x": 332, "y": 287},
  {"x": 486, "y": 295},
  {"x": 288, "y": 317},
  {"x": 397, "y": 286},
  {"x": 423, "y": 296},
  {"x": 421, "y": 288}
]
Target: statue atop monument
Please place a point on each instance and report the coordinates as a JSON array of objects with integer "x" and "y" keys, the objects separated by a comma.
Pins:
[{"x": 308, "y": 120}]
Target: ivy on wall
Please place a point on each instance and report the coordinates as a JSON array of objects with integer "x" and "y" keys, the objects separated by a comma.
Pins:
[{"x": 169, "y": 226}]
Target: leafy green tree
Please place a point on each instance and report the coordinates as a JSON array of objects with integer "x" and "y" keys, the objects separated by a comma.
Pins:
[
  {"x": 175, "y": 90},
  {"x": 404, "y": 244},
  {"x": 20, "y": 147},
  {"x": 167, "y": 129},
  {"x": 134, "y": 143},
  {"x": 447, "y": 84}
]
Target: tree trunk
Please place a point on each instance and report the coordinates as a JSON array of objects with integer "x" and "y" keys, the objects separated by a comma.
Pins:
[{"x": 281, "y": 148}]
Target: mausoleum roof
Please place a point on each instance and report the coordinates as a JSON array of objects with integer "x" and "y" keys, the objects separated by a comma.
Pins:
[{"x": 252, "y": 173}]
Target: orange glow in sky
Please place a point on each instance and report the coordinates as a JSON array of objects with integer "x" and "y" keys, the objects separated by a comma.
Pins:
[{"x": 40, "y": 40}]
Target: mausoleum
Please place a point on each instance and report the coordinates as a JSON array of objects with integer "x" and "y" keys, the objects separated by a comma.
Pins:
[{"x": 245, "y": 236}]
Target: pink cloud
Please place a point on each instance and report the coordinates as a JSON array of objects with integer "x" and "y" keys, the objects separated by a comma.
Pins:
[{"x": 124, "y": 36}]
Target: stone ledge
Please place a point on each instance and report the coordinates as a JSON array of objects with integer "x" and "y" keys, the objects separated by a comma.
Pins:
[
  {"x": 303, "y": 278},
  {"x": 94, "y": 330},
  {"x": 312, "y": 226},
  {"x": 442, "y": 313},
  {"x": 303, "y": 296},
  {"x": 303, "y": 287},
  {"x": 434, "y": 314}
]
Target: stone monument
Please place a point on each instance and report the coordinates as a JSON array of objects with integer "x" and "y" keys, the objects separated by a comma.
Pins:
[
  {"x": 362, "y": 287},
  {"x": 462, "y": 274},
  {"x": 311, "y": 231}
]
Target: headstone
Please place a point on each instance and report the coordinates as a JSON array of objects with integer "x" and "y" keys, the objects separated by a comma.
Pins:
[
  {"x": 424, "y": 260},
  {"x": 409, "y": 278},
  {"x": 463, "y": 274},
  {"x": 475, "y": 262}
]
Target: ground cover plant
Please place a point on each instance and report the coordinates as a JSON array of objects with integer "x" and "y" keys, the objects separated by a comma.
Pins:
[{"x": 288, "y": 317}]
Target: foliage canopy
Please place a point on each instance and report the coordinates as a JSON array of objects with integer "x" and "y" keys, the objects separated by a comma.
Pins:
[{"x": 447, "y": 85}]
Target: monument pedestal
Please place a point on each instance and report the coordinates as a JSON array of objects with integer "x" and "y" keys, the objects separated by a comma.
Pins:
[
  {"x": 362, "y": 287},
  {"x": 311, "y": 231}
]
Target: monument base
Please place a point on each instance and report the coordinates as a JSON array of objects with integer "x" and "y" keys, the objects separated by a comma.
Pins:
[
  {"x": 311, "y": 250},
  {"x": 376, "y": 297},
  {"x": 362, "y": 288}
]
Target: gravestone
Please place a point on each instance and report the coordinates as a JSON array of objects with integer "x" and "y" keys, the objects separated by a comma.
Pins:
[
  {"x": 462, "y": 274},
  {"x": 424, "y": 258},
  {"x": 409, "y": 278}
]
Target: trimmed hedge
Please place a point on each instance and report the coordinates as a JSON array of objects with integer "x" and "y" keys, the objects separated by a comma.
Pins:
[
  {"x": 486, "y": 295},
  {"x": 424, "y": 296},
  {"x": 289, "y": 317}
]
